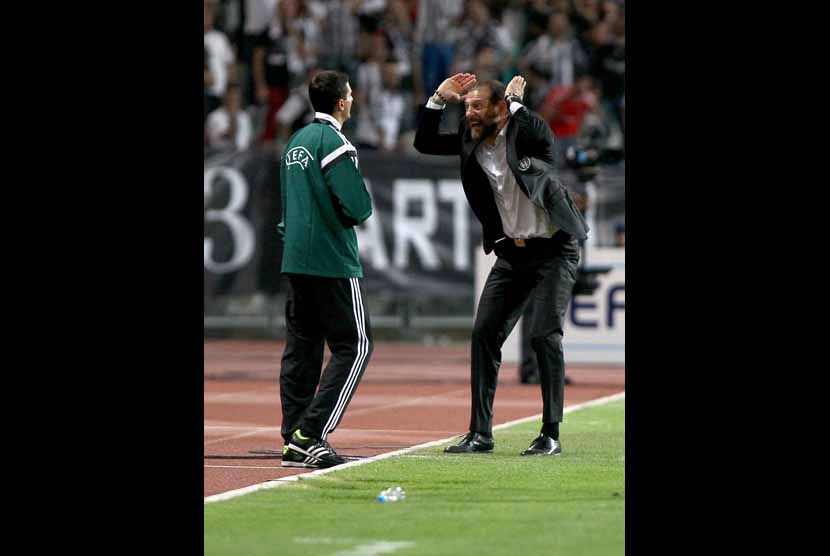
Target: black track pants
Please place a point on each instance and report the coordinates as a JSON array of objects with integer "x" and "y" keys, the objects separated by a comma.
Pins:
[{"x": 322, "y": 310}]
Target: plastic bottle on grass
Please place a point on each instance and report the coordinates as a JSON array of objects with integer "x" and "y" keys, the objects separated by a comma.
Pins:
[{"x": 393, "y": 494}]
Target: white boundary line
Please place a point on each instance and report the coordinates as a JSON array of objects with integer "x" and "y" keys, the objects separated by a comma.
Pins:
[
  {"x": 244, "y": 467},
  {"x": 279, "y": 482}
]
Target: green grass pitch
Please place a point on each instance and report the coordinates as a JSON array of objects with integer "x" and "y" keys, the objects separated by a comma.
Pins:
[{"x": 483, "y": 504}]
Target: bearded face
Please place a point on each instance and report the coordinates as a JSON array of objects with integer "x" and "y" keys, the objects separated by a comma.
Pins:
[{"x": 483, "y": 117}]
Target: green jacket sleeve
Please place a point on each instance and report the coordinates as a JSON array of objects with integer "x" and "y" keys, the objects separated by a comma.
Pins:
[{"x": 348, "y": 192}]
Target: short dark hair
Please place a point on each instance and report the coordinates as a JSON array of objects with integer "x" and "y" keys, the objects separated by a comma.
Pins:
[
  {"x": 495, "y": 87},
  {"x": 326, "y": 88}
]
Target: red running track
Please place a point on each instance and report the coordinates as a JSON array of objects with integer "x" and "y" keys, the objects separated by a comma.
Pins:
[{"x": 410, "y": 394}]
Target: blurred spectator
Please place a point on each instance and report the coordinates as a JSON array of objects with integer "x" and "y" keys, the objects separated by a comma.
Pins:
[
  {"x": 369, "y": 15},
  {"x": 622, "y": 113},
  {"x": 536, "y": 15},
  {"x": 229, "y": 126},
  {"x": 229, "y": 14},
  {"x": 257, "y": 16},
  {"x": 296, "y": 111},
  {"x": 610, "y": 12},
  {"x": 584, "y": 15},
  {"x": 608, "y": 62},
  {"x": 564, "y": 6},
  {"x": 285, "y": 52},
  {"x": 219, "y": 57},
  {"x": 434, "y": 43},
  {"x": 368, "y": 74},
  {"x": 488, "y": 65},
  {"x": 269, "y": 47},
  {"x": 208, "y": 83},
  {"x": 554, "y": 58},
  {"x": 478, "y": 30},
  {"x": 511, "y": 14},
  {"x": 565, "y": 108},
  {"x": 399, "y": 29},
  {"x": 619, "y": 235},
  {"x": 340, "y": 28},
  {"x": 380, "y": 102},
  {"x": 385, "y": 113}
]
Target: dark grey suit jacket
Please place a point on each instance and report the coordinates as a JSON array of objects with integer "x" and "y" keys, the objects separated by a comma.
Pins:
[
  {"x": 541, "y": 184},
  {"x": 529, "y": 146}
]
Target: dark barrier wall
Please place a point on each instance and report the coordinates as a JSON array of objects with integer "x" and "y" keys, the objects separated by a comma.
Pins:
[{"x": 417, "y": 249}]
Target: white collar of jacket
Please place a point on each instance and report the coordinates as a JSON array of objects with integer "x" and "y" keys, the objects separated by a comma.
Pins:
[{"x": 328, "y": 118}]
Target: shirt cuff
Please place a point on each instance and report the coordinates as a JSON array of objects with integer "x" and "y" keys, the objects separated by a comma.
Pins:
[
  {"x": 434, "y": 105},
  {"x": 514, "y": 106}
]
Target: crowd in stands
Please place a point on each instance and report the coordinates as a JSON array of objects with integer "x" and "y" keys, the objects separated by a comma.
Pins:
[{"x": 261, "y": 54}]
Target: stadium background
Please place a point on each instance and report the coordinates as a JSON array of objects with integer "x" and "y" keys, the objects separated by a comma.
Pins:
[{"x": 419, "y": 249}]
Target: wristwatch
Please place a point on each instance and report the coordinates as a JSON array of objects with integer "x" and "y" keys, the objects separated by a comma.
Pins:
[{"x": 509, "y": 99}]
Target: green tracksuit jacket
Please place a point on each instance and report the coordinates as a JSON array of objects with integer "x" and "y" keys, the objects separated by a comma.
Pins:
[{"x": 323, "y": 198}]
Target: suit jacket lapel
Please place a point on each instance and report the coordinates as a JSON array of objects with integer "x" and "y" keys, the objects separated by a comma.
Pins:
[
  {"x": 512, "y": 132},
  {"x": 513, "y": 155}
]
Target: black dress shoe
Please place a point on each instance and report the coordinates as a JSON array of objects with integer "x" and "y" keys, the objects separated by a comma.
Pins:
[
  {"x": 543, "y": 446},
  {"x": 473, "y": 442}
]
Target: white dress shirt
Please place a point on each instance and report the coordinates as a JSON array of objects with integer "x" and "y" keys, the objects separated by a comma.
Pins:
[{"x": 520, "y": 218}]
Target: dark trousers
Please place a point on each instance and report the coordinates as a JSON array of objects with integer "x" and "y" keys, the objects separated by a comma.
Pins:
[
  {"x": 318, "y": 311},
  {"x": 542, "y": 273},
  {"x": 528, "y": 367}
]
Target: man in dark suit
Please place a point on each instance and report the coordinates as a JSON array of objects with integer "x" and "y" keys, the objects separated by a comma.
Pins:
[{"x": 530, "y": 221}]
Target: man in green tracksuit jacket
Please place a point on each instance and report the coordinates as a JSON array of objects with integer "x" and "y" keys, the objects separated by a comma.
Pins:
[{"x": 323, "y": 198}]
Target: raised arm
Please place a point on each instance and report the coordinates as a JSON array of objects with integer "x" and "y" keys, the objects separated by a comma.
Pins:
[
  {"x": 428, "y": 140},
  {"x": 530, "y": 123}
]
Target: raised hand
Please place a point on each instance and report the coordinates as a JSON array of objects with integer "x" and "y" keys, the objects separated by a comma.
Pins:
[
  {"x": 454, "y": 88},
  {"x": 516, "y": 87}
]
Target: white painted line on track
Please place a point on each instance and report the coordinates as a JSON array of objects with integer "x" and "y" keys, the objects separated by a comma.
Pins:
[
  {"x": 363, "y": 411},
  {"x": 242, "y": 435},
  {"x": 392, "y": 431},
  {"x": 411, "y": 401},
  {"x": 275, "y": 483},
  {"x": 233, "y": 427},
  {"x": 341, "y": 430},
  {"x": 244, "y": 467},
  {"x": 226, "y": 396}
]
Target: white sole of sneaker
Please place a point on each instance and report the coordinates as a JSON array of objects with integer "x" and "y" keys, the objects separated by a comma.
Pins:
[{"x": 300, "y": 464}]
